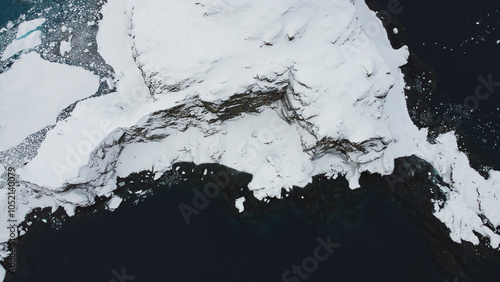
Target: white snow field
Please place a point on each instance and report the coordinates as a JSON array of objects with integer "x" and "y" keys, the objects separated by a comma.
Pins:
[
  {"x": 34, "y": 91},
  {"x": 175, "y": 61}
]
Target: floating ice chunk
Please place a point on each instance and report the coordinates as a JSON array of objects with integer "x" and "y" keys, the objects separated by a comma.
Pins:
[
  {"x": 239, "y": 204},
  {"x": 114, "y": 202},
  {"x": 65, "y": 46},
  {"x": 110, "y": 82},
  {"x": 34, "y": 91},
  {"x": 28, "y": 37},
  {"x": 26, "y": 27}
]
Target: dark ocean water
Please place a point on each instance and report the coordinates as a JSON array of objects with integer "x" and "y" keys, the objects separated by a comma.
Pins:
[
  {"x": 379, "y": 241},
  {"x": 380, "y": 238},
  {"x": 11, "y": 9},
  {"x": 460, "y": 40}
]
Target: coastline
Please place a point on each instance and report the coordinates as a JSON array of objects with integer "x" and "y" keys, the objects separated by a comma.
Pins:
[
  {"x": 421, "y": 205},
  {"x": 323, "y": 201}
]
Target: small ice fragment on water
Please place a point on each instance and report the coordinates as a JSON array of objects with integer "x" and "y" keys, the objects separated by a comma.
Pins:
[
  {"x": 239, "y": 204},
  {"x": 111, "y": 83},
  {"x": 157, "y": 176},
  {"x": 114, "y": 202},
  {"x": 395, "y": 31},
  {"x": 65, "y": 47}
]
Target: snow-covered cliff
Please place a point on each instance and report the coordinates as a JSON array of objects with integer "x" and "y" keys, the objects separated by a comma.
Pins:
[{"x": 283, "y": 90}]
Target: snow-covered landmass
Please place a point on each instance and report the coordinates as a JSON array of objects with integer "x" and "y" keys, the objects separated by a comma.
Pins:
[
  {"x": 283, "y": 90},
  {"x": 28, "y": 36},
  {"x": 34, "y": 91}
]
